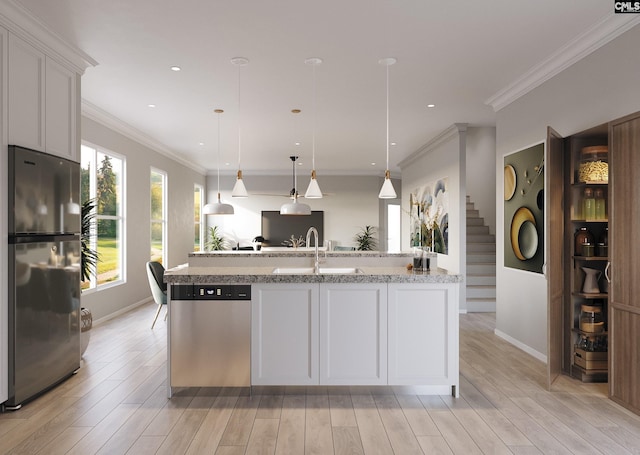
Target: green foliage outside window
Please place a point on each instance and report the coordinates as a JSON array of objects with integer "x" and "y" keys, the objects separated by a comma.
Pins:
[{"x": 106, "y": 173}]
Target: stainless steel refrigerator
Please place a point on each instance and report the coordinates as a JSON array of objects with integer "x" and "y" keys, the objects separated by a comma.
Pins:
[{"x": 44, "y": 272}]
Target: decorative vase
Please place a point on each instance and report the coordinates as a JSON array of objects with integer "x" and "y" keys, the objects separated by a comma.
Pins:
[
  {"x": 591, "y": 277},
  {"x": 86, "y": 322}
]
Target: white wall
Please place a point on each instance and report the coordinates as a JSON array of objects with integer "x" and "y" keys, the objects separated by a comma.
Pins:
[
  {"x": 350, "y": 202},
  {"x": 599, "y": 88},
  {"x": 481, "y": 151},
  {"x": 438, "y": 159},
  {"x": 181, "y": 180}
]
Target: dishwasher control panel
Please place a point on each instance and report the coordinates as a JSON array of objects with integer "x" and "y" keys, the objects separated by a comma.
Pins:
[{"x": 211, "y": 292}]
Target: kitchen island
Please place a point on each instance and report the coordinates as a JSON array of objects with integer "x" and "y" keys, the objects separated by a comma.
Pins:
[{"x": 362, "y": 319}]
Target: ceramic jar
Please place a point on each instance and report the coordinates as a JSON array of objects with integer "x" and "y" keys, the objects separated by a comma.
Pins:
[{"x": 583, "y": 236}]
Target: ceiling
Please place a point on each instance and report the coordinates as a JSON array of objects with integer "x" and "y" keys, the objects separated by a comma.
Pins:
[{"x": 456, "y": 55}]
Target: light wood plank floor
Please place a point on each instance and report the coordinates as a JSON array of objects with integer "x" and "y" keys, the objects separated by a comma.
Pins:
[{"x": 117, "y": 404}]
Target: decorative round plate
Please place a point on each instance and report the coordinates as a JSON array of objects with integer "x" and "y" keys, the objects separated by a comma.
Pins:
[
  {"x": 522, "y": 214},
  {"x": 509, "y": 182},
  {"x": 528, "y": 239}
]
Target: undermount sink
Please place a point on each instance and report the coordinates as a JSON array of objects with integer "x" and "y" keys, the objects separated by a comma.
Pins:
[
  {"x": 323, "y": 270},
  {"x": 340, "y": 270},
  {"x": 293, "y": 270}
]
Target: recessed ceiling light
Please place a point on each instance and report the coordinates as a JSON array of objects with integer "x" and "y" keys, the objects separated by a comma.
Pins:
[
  {"x": 300, "y": 164},
  {"x": 393, "y": 143},
  {"x": 201, "y": 143},
  {"x": 297, "y": 143},
  {"x": 175, "y": 68},
  {"x": 373, "y": 164},
  {"x": 226, "y": 164},
  {"x": 431, "y": 105},
  {"x": 151, "y": 105}
]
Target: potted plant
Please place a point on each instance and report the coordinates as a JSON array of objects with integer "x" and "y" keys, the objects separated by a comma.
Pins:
[
  {"x": 215, "y": 240},
  {"x": 365, "y": 239},
  {"x": 89, "y": 259}
]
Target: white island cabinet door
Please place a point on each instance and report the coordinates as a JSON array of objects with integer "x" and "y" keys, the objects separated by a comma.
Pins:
[
  {"x": 353, "y": 334},
  {"x": 284, "y": 334},
  {"x": 423, "y": 336}
]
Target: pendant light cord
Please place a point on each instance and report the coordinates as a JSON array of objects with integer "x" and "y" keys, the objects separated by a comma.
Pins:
[
  {"x": 313, "y": 133},
  {"x": 239, "y": 117},
  {"x": 295, "y": 179},
  {"x": 387, "y": 117},
  {"x": 218, "y": 163}
]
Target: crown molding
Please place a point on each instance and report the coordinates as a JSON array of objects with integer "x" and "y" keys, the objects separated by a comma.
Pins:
[
  {"x": 22, "y": 23},
  {"x": 284, "y": 173},
  {"x": 606, "y": 30},
  {"x": 450, "y": 133},
  {"x": 93, "y": 112}
]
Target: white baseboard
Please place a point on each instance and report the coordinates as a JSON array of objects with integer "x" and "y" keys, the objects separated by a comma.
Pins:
[
  {"x": 463, "y": 311},
  {"x": 121, "y": 311},
  {"x": 522, "y": 346}
]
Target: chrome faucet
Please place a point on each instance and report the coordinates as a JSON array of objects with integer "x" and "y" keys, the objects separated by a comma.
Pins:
[{"x": 316, "y": 265}]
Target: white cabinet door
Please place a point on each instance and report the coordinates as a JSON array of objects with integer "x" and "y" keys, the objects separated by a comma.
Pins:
[
  {"x": 26, "y": 88},
  {"x": 60, "y": 128},
  {"x": 353, "y": 334},
  {"x": 423, "y": 335},
  {"x": 284, "y": 334}
]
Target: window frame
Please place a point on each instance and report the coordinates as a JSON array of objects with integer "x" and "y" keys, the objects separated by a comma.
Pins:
[
  {"x": 163, "y": 220},
  {"x": 200, "y": 223},
  {"x": 94, "y": 286}
]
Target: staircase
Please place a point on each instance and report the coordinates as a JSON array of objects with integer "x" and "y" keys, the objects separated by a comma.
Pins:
[{"x": 481, "y": 263}]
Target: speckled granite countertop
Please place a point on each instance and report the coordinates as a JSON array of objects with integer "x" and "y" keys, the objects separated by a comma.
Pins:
[
  {"x": 302, "y": 252},
  {"x": 265, "y": 275}
]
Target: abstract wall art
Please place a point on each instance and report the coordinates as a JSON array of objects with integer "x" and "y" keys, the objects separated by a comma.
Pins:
[
  {"x": 429, "y": 214},
  {"x": 524, "y": 209}
]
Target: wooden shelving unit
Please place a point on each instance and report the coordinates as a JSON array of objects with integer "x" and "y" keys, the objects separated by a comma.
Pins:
[{"x": 575, "y": 219}]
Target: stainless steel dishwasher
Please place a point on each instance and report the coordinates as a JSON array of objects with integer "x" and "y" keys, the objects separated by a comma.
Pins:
[{"x": 210, "y": 335}]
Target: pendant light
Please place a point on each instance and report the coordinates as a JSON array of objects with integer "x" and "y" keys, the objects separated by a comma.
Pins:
[
  {"x": 239, "y": 189},
  {"x": 313, "y": 190},
  {"x": 218, "y": 208},
  {"x": 295, "y": 207},
  {"x": 387, "y": 191}
]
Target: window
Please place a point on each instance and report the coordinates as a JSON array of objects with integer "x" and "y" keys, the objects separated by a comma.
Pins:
[
  {"x": 102, "y": 180},
  {"x": 158, "y": 215},
  {"x": 197, "y": 223},
  {"x": 393, "y": 227}
]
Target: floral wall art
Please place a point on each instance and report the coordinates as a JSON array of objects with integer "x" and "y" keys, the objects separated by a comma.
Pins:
[
  {"x": 429, "y": 214},
  {"x": 524, "y": 209}
]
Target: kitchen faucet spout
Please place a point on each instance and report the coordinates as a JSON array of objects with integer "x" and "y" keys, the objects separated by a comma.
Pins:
[{"x": 316, "y": 265}]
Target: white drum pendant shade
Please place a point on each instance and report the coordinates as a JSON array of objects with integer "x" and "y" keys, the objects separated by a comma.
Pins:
[
  {"x": 295, "y": 208},
  {"x": 218, "y": 208}
]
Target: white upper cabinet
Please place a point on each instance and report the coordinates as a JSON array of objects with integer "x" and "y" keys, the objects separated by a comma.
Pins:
[
  {"x": 26, "y": 87},
  {"x": 60, "y": 101},
  {"x": 42, "y": 101}
]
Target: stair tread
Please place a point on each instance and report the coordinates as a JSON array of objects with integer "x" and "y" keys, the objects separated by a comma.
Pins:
[{"x": 481, "y": 261}]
